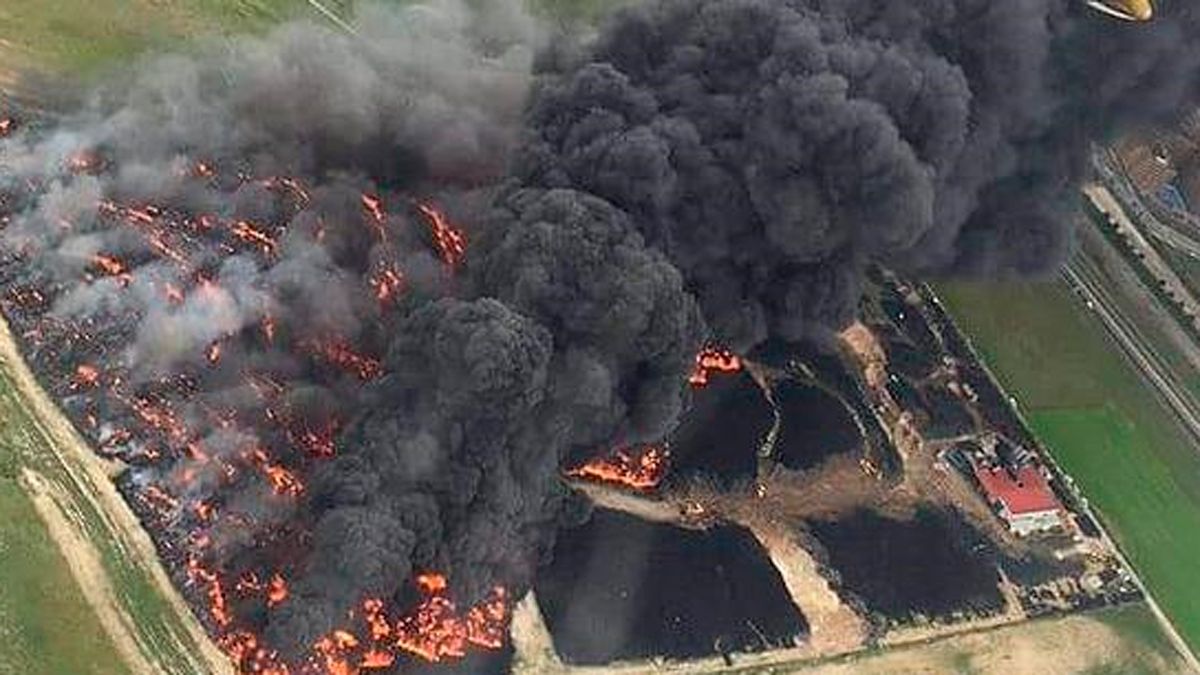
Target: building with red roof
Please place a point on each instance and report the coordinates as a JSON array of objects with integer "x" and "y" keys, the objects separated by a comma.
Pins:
[{"x": 1022, "y": 497}]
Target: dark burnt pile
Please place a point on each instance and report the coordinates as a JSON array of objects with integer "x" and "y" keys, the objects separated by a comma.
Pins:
[{"x": 294, "y": 283}]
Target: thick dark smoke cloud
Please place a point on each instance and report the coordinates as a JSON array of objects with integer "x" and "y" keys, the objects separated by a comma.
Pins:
[
  {"x": 562, "y": 331},
  {"x": 773, "y": 148},
  {"x": 706, "y": 169}
]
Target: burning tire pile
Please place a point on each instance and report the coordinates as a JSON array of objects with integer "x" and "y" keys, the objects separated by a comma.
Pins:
[
  {"x": 218, "y": 465},
  {"x": 343, "y": 304}
]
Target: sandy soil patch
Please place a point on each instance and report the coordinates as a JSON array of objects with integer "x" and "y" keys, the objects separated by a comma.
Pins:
[{"x": 1074, "y": 644}]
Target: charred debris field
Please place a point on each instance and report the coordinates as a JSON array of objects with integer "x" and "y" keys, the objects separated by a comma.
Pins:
[
  {"x": 368, "y": 316},
  {"x": 605, "y": 597}
]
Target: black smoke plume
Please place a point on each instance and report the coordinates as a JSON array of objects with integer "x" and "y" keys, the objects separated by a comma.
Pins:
[
  {"x": 773, "y": 148},
  {"x": 702, "y": 169}
]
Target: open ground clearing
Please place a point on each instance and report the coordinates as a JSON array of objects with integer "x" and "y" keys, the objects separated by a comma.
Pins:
[{"x": 1123, "y": 641}]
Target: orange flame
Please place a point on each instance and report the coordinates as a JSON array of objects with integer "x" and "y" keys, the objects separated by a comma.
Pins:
[
  {"x": 198, "y": 573},
  {"x": 86, "y": 375},
  {"x": 85, "y": 161},
  {"x": 250, "y": 234},
  {"x": 204, "y": 510},
  {"x": 145, "y": 219},
  {"x": 7, "y": 126},
  {"x": 450, "y": 241},
  {"x": 341, "y": 355},
  {"x": 387, "y": 284},
  {"x": 431, "y": 583},
  {"x": 277, "y": 590},
  {"x": 248, "y": 583},
  {"x": 268, "y": 327},
  {"x": 294, "y": 185},
  {"x": 113, "y": 267},
  {"x": 203, "y": 170},
  {"x": 174, "y": 294},
  {"x": 374, "y": 208},
  {"x": 375, "y": 659},
  {"x": 214, "y": 352},
  {"x": 156, "y": 417},
  {"x": 158, "y": 499},
  {"x": 376, "y": 620},
  {"x": 639, "y": 470},
  {"x": 435, "y": 630},
  {"x": 283, "y": 482},
  {"x": 713, "y": 360},
  {"x": 244, "y": 649},
  {"x": 317, "y": 443}
]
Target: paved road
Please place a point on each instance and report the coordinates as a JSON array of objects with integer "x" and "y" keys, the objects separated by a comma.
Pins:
[
  {"x": 1088, "y": 281},
  {"x": 1086, "y": 278}
]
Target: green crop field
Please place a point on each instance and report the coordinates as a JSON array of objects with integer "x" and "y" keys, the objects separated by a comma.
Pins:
[
  {"x": 1102, "y": 423},
  {"x": 46, "y": 624},
  {"x": 161, "y": 632},
  {"x": 85, "y": 37},
  {"x": 80, "y": 37}
]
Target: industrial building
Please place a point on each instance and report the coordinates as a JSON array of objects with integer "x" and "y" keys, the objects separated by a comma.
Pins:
[{"x": 1021, "y": 496}]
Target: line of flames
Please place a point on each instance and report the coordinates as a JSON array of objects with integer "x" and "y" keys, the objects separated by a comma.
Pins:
[
  {"x": 434, "y": 631},
  {"x": 643, "y": 468}
]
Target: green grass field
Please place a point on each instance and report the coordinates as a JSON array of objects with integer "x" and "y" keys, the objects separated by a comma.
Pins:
[
  {"x": 161, "y": 631},
  {"x": 1102, "y": 423},
  {"x": 86, "y": 37},
  {"x": 46, "y": 624},
  {"x": 81, "y": 37},
  {"x": 1142, "y": 635}
]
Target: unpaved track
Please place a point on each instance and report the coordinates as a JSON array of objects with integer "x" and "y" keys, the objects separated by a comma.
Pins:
[
  {"x": 834, "y": 628},
  {"x": 88, "y": 473},
  {"x": 85, "y": 564},
  {"x": 1061, "y": 646},
  {"x": 531, "y": 640}
]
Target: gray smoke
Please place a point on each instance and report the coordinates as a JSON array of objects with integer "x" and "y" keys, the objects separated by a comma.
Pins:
[{"x": 708, "y": 169}]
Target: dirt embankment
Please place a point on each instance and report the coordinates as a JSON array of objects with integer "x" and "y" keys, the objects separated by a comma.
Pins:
[{"x": 86, "y": 566}]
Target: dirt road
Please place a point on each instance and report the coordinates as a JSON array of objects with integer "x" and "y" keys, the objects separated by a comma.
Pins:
[{"x": 90, "y": 479}]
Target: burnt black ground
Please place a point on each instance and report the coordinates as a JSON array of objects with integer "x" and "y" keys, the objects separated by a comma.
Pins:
[
  {"x": 719, "y": 436},
  {"x": 624, "y": 588},
  {"x": 815, "y": 426},
  {"x": 934, "y": 564}
]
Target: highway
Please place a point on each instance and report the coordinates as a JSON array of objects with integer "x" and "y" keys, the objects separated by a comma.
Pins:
[{"x": 1082, "y": 274}]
